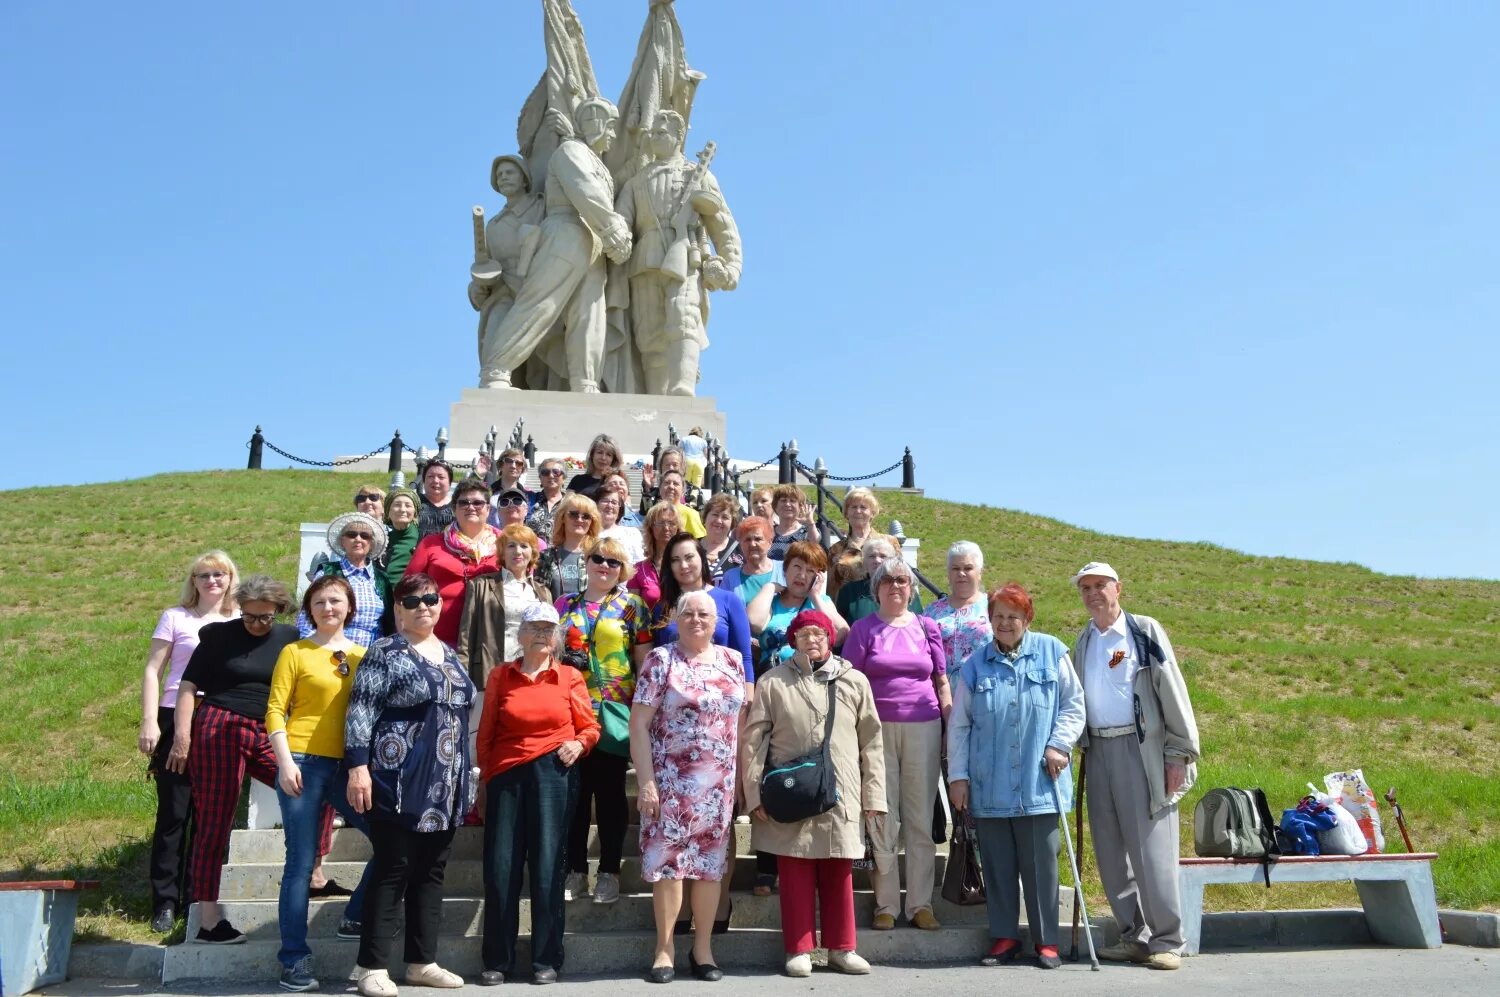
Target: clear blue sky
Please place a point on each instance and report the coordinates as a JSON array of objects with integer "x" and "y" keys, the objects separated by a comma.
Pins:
[{"x": 1196, "y": 271}]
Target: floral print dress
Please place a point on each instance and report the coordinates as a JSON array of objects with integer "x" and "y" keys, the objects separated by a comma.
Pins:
[
  {"x": 694, "y": 744},
  {"x": 964, "y": 630}
]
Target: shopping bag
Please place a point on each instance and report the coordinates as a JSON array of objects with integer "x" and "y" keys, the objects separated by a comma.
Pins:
[
  {"x": 1354, "y": 795},
  {"x": 963, "y": 883}
]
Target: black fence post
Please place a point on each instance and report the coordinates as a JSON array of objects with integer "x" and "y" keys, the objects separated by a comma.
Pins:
[
  {"x": 257, "y": 445},
  {"x": 908, "y": 470},
  {"x": 781, "y": 465},
  {"x": 791, "y": 462},
  {"x": 394, "y": 464}
]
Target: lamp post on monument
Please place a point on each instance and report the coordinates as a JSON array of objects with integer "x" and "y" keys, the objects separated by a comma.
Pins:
[{"x": 442, "y": 442}]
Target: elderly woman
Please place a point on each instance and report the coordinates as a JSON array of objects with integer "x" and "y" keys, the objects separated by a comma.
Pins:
[
  {"x": 962, "y": 615},
  {"x": 606, "y": 635},
  {"x": 901, "y": 654},
  {"x": 684, "y": 727},
  {"x": 370, "y": 500},
  {"x": 401, "y": 537},
  {"x": 207, "y": 597},
  {"x": 356, "y": 542},
  {"x": 787, "y": 722},
  {"x": 763, "y": 502},
  {"x": 437, "y": 510},
  {"x": 611, "y": 507},
  {"x": 604, "y": 458},
  {"x": 1017, "y": 712},
  {"x": 546, "y": 502},
  {"x": 538, "y": 722},
  {"x": 467, "y": 548},
  {"x": 794, "y": 520},
  {"x": 663, "y": 522},
  {"x": 856, "y": 599},
  {"x": 618, "y": 483},
  {"x": 577, "y": 525},
  {"x": 775, "y": 606},
  {"x": 719, "y": 541},
  {"x": 509, "y": 509},
  {"x": 845, "y": 563},
  {"x": 220, "y": 734},
  {"x": 305, "y": 723},
  {"x": 673, "y": 492},
  {"x": 510, "y": 470},
  {"x": 407, "y": 746}
]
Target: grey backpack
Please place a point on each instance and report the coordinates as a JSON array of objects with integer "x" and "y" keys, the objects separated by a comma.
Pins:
[{"x": 1236, "y": 823}]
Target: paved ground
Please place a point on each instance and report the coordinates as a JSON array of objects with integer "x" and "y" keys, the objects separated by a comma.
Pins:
[{"x": 1453, "y": 971}]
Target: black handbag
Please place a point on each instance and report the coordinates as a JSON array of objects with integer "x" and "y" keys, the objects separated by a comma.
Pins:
[
  {"x": 803, "y": 787},
  {"x": 963, "y": 882}
]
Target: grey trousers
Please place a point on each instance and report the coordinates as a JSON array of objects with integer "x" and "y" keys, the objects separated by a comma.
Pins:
[
  {"x": 1024, "y": 847},
  {"x": 1137, "y": 852}
]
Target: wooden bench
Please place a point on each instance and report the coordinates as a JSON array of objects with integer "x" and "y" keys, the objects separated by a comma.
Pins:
[{"x": 1395, "y": 890}]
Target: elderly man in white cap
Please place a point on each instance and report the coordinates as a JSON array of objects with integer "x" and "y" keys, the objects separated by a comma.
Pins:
[{"x": 1141, "y": 746}]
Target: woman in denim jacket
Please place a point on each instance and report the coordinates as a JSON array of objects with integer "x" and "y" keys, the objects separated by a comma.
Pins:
[{"x": 1017, "y": 712}]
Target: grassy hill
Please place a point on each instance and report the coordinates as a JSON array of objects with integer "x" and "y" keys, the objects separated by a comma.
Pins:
[{"x": 1297, "y": 668}]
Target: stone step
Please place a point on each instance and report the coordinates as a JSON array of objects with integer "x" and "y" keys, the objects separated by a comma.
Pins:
[
  {"x": 465, "y": 915},
  {"x": 751, "y": 951},
  {"x": 465, "y": 877}
]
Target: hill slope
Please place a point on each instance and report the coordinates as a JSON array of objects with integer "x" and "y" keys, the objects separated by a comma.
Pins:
[{"x": 1297, "y": 668}]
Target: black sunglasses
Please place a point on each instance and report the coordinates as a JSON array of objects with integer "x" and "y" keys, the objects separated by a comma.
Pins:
[
  {"x": 358, "y": 535},
  {"x": 413, "y": 601},
  {"x": 343, "y": 660},
  {"x": 601, "y": 559},
  {"x": 366, "y": 497}
]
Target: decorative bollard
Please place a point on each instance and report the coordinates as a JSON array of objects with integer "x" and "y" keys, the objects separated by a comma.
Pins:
[
  {"x": 257, "y": 445},
  {"x": 908, "y": 471},
  {"x": 393, "y": 466}
]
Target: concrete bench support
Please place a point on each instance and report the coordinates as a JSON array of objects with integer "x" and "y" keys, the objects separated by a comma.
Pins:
[
  {"x": 36, "y": 932},
  {"x": 1396, "y": 891}
]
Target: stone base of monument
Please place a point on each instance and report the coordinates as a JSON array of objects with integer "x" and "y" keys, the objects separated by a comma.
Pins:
[{"x": 566, "y": 421}]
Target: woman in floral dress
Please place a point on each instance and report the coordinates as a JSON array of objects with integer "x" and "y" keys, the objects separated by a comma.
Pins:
[
  {"x": 684, "y": 738},
  {"x": 961, "y": 615}
]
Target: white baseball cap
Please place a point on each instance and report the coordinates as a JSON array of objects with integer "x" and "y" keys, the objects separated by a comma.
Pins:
[
  {"x": 539, "y": 612},
  {"x": 1095, "y": 568}
]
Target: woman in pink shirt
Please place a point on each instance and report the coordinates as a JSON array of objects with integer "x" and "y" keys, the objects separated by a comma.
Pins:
[
  {"x": 901, "y": 654},
  {"x": 207, "y": 597}
]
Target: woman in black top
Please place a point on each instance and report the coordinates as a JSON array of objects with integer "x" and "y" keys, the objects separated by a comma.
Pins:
[
  {"x": 604, "y": 459},
  {"x": 216, "y": 741}
]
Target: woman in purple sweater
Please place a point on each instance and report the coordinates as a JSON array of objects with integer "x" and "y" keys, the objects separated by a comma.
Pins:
[{"x": 901, "y": 654}]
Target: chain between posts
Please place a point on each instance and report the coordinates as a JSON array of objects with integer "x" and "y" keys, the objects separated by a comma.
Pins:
[
  {"x": 323, "y": 463},
  {"x": 848, "y": 477}
]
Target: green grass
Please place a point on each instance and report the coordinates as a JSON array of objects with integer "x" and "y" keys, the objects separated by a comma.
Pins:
[{"x": 1297, "y": 668}]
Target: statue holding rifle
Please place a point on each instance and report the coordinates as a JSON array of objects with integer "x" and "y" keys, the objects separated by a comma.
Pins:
[{"x": 686, "y": 244}]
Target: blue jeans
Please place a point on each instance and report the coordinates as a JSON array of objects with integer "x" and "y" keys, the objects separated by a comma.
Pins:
[
  {"x": 324, "y": 780},
  {"x": 527, "y": 812}
]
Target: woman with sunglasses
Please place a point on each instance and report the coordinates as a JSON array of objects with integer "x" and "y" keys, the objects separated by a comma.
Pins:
[
  {"x": 407, "y": 747},
  {"x": 221, "y": 737},
  {"x": 356, "y": 541},
  {"x": 467, "y": 548},
  {"x": 606, "y": 635},
  {"x": 545, "y": 503},
  {"x": 207, "y": 597},
  {"x": 305, "y": 723},
  {"x": 370, "y": 500},
  {"x": 560, "y": 567}
]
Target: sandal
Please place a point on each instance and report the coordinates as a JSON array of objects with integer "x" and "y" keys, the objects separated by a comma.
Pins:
[{"x": 765, "y": 884}]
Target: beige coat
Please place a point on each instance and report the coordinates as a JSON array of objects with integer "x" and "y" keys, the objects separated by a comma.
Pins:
[{"x": 786, "y": 722}]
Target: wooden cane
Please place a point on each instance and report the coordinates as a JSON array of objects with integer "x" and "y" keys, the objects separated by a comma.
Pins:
[{"x": 1078, "y": 841}]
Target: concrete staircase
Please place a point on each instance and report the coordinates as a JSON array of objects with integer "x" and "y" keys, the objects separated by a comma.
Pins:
[{"x": 616, "y": 938}]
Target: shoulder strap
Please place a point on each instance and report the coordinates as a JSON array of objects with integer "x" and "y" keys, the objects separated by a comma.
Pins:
[{"x": 832, "y": 702}]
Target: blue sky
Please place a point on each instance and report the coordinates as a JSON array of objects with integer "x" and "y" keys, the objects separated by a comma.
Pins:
[{"x": 1195, "y": 271}]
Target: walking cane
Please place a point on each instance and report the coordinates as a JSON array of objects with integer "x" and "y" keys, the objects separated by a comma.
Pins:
[
  {"x": 1078, "y": 827},
  {"x": 1078, "y": 904}
]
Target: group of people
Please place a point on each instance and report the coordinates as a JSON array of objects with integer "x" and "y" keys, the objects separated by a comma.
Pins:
[{"x": 488, "y": 654}]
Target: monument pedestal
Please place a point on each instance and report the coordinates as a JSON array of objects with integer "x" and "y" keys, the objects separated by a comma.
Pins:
[{"x": 566, "y": 421}]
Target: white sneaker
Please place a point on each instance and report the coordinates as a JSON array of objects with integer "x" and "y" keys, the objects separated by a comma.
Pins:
[
  {"x": 576, "y": 886},
  {"x": 606, "y": 888},
  {"x": 850, "y": 962},
  {"x": 433, "y": 975},
  {"x": 799, "y": 965},
  {"x": 375, "y": 983}
]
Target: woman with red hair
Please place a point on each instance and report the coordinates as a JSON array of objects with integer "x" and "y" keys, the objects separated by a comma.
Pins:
[{"x": 1017, "y": 712}]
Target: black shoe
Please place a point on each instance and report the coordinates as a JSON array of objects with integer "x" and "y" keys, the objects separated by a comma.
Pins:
[
  {"x": 491, "y": 978},
  {"x": 682, "y": 928},
  {"x": 165, "y": 918},
  {"x": 661, "y": 974},
  {"x": 329, "y": 889},
  {"x": 544, "y": 976},
  {"x": 722, "y": 927},
  {"x": 705, "y": 971},
  {"x": 298, "y": 976},
  {"x": 350, "y": 929},
  {"x": 1003, "y": 952},
  {"x": 1048, "y": 960},
  {"x": 223, "y": 933}
]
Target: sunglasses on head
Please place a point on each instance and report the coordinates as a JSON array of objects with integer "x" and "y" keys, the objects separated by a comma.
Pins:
[
  {"x": 609, "y": 561},
  {"x": 413, "y": 601},
  {"x": 343, "y": 661},
  {"x": 358, "y": 535}
]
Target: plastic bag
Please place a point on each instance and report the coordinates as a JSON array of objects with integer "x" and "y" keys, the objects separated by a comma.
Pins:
[
  {"x": 1354, "y": 795},
  {"x": 1343, "y": 837}
]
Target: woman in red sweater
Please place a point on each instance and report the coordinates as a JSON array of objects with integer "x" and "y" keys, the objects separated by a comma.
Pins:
[
  {"x": 538, "y": 721},
  {"x": 466, "y": 548}
]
